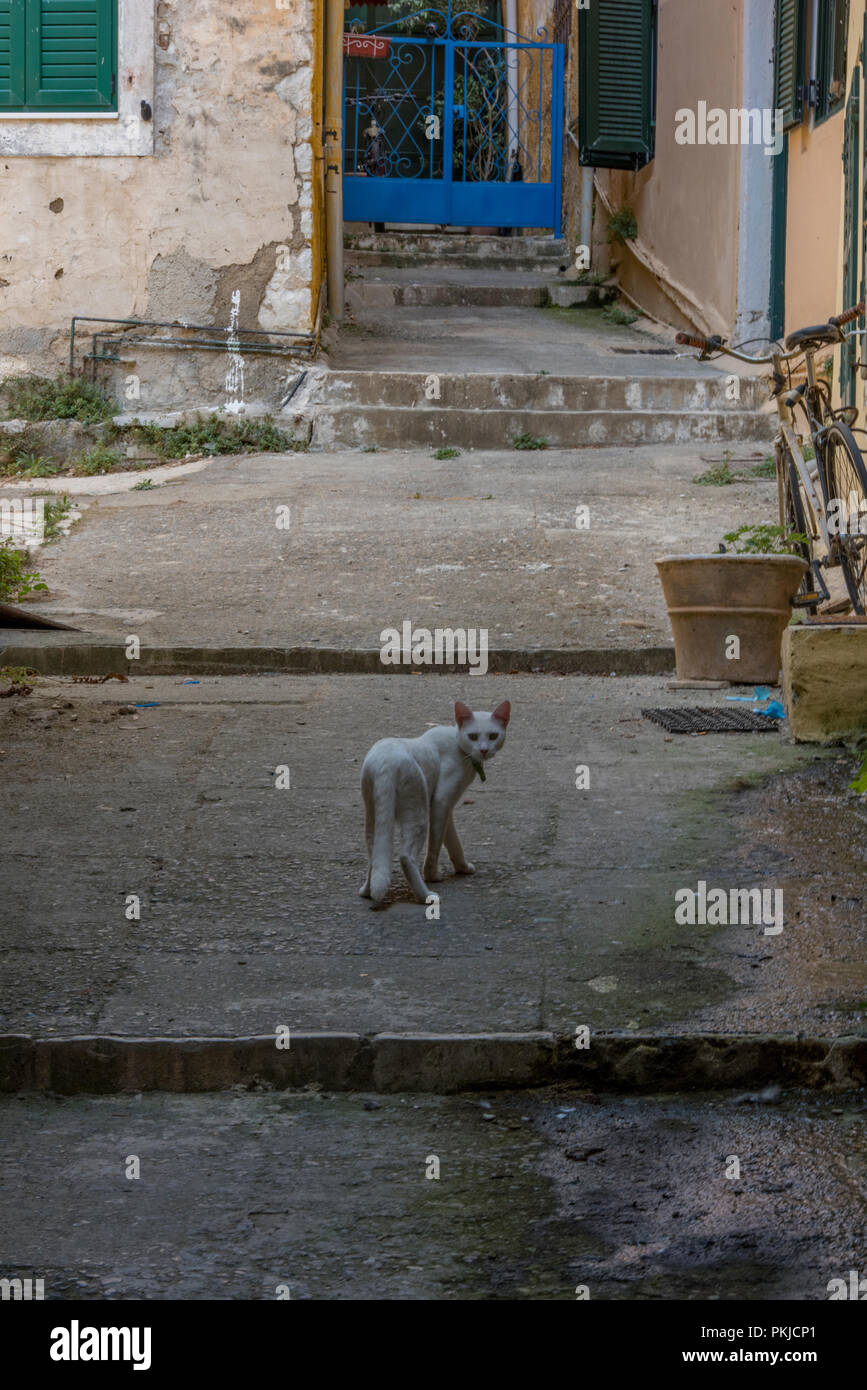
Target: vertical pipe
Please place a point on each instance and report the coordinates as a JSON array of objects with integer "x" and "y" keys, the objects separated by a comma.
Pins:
[
  {"x": 586, "y": 232},
  {"x": 558, "y": 65},
  {"x": 334, "y": 154}
]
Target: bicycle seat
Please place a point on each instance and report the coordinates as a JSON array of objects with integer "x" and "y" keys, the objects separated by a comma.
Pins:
[{"x": 819, "y": 333}]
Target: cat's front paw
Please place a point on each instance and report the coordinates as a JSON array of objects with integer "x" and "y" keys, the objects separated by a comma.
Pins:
[
  {"x": 465, "y": 868},
  {"x": 431, "y": 874}
]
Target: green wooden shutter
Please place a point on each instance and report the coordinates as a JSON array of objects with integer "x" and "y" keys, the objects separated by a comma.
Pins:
[
  {"x": 617, "y": 83},
  {"x": 71, "y": 54},
  {"x": 779, "y": 210},
  {"x": 789, "y": 75},
  {"x": 851, "y": 200},
  {"x": 833, "y": 33},
  {"x": 11, "y": 53}
]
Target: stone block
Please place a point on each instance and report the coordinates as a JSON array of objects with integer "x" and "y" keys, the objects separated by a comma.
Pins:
[{"x": 825, "y": 682}]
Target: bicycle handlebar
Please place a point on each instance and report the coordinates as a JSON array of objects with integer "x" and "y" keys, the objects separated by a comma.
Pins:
[
  {"x": 848, "y": 316},
  {"x": 716, "y": 344},
  {"x": 692, "y": 340}
]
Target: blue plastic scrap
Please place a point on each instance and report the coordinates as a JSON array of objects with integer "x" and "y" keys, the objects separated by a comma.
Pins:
[
  {"x": 774, "y": 710},
  {"x": 761, "y": 692}
]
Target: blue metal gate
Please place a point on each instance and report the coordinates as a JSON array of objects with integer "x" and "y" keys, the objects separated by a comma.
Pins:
[{"x": 451, "y": 119}]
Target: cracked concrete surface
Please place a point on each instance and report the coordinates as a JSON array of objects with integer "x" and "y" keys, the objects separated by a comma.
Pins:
[
  {"x": 485, "y": 540},
  {"x": 311, "y": 1196},
  {"x": 249, "y": 908}
]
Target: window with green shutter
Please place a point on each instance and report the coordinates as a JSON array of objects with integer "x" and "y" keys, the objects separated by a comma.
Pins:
[
  {"x": 58, "y": 55},
  {"x": 789, "y": 72},
  {"x": 617, "y": 83},
  {"x": 833, "y": 35}
]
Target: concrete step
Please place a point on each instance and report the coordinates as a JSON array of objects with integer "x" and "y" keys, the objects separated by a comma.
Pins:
[
  {"x": 384, "y": 288},
  {"x": 568, "y": 294},
  {"x": 412, "y": 259},
  {"x": 394, "y": 427},
  {"x": 434, "y": 249},
  {"x": 540, "y": 393},
  {"x": 485, "y": 410},
  {"x": 510, "y": 292}
]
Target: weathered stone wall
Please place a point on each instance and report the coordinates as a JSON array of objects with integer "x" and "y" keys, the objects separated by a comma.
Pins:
[{"x": 228, "y": 201}]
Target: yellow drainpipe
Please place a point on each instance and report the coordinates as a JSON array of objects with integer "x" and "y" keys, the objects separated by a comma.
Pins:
[
  {"x": 334, "y": 154},
  {"x": 317, "y": 240}
]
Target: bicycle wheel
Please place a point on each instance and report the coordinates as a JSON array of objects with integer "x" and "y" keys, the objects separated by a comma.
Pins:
[
  {"x": 792, "y": 516},
  {"x": 846, "y": 485}
]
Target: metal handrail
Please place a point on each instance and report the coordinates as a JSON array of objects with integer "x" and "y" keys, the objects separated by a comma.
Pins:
[{"x": 306, "y": 339}]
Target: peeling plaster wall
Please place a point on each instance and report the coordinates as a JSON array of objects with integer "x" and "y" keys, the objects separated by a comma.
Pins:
[{"x": 226, "y": 202}]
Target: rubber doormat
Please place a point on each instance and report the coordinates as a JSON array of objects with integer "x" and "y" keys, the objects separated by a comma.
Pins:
[{"x": 711, "y": 720}]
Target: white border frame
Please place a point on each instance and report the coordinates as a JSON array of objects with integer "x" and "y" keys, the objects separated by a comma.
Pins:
[{"x": 122, "y": 132}]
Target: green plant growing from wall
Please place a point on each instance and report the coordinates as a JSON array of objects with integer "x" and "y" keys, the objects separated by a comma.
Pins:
[
  {"x": 66, "y": 398},
  {"x": 525, "y": 440},
  {"x": 99, "y": 459},
  {"x": 621, "y": 314},
  {"x": 622, "y": 226}
]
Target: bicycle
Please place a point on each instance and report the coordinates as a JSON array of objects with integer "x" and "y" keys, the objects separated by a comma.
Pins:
[{"x": 837, "y": 482}]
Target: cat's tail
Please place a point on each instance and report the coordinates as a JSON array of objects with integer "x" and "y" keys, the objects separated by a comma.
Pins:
[{"x": 381, "y": 792}]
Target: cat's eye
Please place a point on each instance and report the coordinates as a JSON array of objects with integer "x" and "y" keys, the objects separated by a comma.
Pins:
[
  {"x": 493, "y": 735},
  {"x": 472, "y": 737}
]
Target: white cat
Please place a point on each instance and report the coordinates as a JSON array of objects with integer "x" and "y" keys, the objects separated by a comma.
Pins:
[{"x": 417, "y": 782}]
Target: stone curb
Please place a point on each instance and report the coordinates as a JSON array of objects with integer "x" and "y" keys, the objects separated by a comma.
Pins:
[
  {"x": 392, "y": 1062},
  {"x": 60, "y": 654}
]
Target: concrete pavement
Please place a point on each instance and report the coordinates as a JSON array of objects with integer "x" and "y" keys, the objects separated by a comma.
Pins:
[
  {"x": 485, "y": 540},
  {"x": 249, "y": 914},
  {"x": 307, "y": 1195}
]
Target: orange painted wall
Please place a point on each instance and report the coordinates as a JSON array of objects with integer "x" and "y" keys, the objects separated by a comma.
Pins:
[{"x": 813, "y": 222}]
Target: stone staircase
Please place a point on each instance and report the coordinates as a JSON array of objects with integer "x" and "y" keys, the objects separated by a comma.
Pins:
[
  {"x": 407, "y": 250},
  {"x": 470, "y": 341},
  {"x": 510, "y": 272},
  {"x": 484, "y": 410}
]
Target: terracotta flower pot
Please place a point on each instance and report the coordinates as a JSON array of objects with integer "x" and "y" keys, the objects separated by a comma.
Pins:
[{"x": 714, "y": 598}]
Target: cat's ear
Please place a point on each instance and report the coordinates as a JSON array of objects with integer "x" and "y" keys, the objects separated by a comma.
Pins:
[
  {"x": 503, "y": 712},
  {"x": 462, "y": 713}
]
